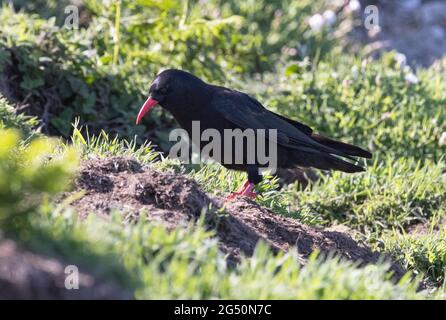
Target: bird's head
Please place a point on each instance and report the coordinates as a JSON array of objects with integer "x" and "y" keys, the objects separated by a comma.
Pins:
[{"x": 172, "y": 89}]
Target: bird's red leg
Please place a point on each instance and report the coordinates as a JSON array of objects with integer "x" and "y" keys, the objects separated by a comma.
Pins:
[{"x": 245, "y": 190}]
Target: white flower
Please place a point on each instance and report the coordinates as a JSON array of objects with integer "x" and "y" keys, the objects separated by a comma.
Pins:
[
  {"x": 442, "y": 141},
  {"x": 401, "y": 59},
  {"x": 316, "y": 22},
  {"x": 329, "y": 17},
  {"x": 411, "y": 78},
  {"x": 354, "y": 5}
]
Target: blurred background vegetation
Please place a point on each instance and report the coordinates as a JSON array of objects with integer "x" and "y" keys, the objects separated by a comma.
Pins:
[{"x": 301, "y": 59}]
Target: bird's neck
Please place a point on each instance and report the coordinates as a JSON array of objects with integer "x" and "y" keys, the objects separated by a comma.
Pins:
[{"x": 191, "y": 106}]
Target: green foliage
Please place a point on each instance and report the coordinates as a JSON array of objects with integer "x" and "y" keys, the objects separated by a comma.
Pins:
[
  {"x": 422, "y": 253},
  {"x": 185, "y": 263},
  {"x": 214, "y": 39},
  {"x": 45, "y": 8},
  {"x": 61, "y": 77},
  {"x": 10, "y": 120},
  {"x": 101, "y": 74},
  {"x": 366, "y": 102},
  {"x": 393, "y": 194},
  {"x": 280, "y": 29},
  {"x": 30, "y": 172},
  {"x": 103, "y": 145}
]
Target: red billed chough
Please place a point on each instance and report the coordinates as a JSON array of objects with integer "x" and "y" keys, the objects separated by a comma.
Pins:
[{"x": 189, "y": 99}]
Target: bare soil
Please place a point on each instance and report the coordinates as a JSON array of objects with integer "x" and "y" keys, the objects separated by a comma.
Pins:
[
  {"x": 27, "y": 275},
  {"x": 123, "y": 184}
]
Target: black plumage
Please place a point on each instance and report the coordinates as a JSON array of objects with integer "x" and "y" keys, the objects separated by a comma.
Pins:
[{"x": 189, "y": 99}]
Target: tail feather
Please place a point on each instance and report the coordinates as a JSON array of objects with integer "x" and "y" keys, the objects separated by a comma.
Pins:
[
  {"x": 341, "y": 146},
  {"x": 325, "y": 161},
  {"x": 333, "y": 163}
]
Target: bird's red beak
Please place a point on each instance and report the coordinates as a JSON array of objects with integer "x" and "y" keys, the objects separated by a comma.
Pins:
[{"x": 145, "y": 108}]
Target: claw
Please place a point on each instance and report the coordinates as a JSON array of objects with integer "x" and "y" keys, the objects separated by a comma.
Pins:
[{"x": 244, "y": 191}]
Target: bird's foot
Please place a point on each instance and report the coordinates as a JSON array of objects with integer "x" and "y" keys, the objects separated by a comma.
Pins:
[
  {"x": 233, "y": 195},
  {"x": 245, "y": 191}
]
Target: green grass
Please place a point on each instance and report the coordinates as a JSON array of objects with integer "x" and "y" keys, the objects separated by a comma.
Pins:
[
  {"x": 391, "y": 194},
  {"x": 368, "y": 103},
  {"x": 80, "y": 75},
  {"x": 423, "y": 251},
  {"x": 10, "y": 120},
  {"x": 38, "y": 168},
  {"x": 103, "y": 145},
  {"x": 182, "y": 263},
  {"x": 185, "y": 263}
]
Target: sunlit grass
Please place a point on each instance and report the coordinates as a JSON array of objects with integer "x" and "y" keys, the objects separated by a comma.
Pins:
[{"x": 243, "y": 45}]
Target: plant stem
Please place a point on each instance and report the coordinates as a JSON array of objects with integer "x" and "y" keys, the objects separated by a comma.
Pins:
[{"x": 117, "y": 32}]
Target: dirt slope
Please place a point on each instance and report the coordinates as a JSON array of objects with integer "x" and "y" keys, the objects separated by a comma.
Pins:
[
  {"x": 27, "y": 275},
  {"x": 123, "y": 184}
]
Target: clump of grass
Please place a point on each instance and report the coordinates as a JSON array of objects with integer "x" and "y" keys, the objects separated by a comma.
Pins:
[
  {"x": 10, "y": 120},
  {"x": 393, "y": 194},
  {"x": 29, "y": 173},
  {"x": 185, "y": 263},
  {"x": 67, "y": 74},
  {"x": 180, "y": 263},
  {"x": 365, "y": 102},
  {"x": 102, "y": 146},
  {"x": 423, "y": 254}
]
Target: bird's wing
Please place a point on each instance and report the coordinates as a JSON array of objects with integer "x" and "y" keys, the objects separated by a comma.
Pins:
[
  {"x": 245, "y": 112},
  {"x": 300, "y": 126}
]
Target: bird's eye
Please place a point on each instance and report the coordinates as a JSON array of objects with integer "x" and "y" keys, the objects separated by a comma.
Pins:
[{"x": 163, "y": 90}]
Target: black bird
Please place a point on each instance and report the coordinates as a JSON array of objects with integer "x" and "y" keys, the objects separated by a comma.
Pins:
[{"x": 188, "y": 99}]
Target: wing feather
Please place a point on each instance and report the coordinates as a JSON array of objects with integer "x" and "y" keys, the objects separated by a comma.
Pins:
[{"x": 245, "y": 112}]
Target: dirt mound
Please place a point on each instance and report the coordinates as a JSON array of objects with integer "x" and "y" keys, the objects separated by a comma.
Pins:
[
  {"x": 26, "y": 275},
  {"x": 122, "y": 184}
]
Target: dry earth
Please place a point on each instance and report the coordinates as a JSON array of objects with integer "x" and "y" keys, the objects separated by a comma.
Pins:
[
  {"x": 123, "y": 184},
  {"x": 175, "y": 200},
  {"x": 27, "y": 275}
]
